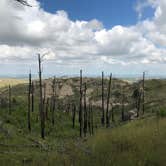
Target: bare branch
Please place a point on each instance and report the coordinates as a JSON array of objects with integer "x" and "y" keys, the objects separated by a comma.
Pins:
[{"x": 24, "y": 2}]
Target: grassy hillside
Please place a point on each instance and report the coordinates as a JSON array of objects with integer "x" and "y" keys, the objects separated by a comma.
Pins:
[
  {"x": 6, "y": 81},
  {"x": 134, "y": 143}
]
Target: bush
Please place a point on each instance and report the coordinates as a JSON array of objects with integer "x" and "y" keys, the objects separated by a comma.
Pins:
[{"x": 161, "y": 112}]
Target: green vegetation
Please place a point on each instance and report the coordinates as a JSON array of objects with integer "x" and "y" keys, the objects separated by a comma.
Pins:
[{"x": 140, "y": 142}]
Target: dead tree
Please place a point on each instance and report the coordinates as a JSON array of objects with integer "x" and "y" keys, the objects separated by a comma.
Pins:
[
  {"x": 47, "y": 107},
  {"x": 112, "y": 113},
  {"x": 85, "y": 111},
  {"x": 138, "y": 103},
  {"x": 44, "y": 95},
  {"x": 53, "y": 100},
  {"x": 137, "y": 99},
  {"x": 73, "y": 115},
  {"x": 108, "y": 102},
  {"x": 32, "y": 97},
  {"x": 143, "y": 93},
  {"x": 123, "y": 106},
  {"x": 103, "y": 111},
  {"x": 91, "y": 117},
  {"x": 80, "y": 108},
  {"x": 24, "y": 2},
  {"x": 41, "y": 99},
  {"x": 29, "y": 102},
  {"x": 10, "y": 100}
]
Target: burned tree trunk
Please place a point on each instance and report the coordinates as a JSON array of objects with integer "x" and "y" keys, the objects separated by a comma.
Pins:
[
  {"x": 29, "y": 103},
  {"x": 143, "y": 93},
  {"x": 89, "y": 118},
  {"x": 137, "y": 99},
  {"x": 73, "y": 115},
  {"x": 80, "y": 109},
  {"x": 108, "y": 102},
  {"x": 47, "y": 107},
  {"x": 85, "y": 111},
  {"x": 41, "y": 99},
  {"x": 103, "y": 111},
  {"x": 92, "y": 125},
  {"x": 10, "y": 100},
  {"x": 112, "y": 114},
  {"x": 123, "y": 107},
  {"x": 138, "y": 103},
  {"x": 32, "y": 97},
  {"x": 44, "y": 95},
  {"x": 53, "y": 100}
]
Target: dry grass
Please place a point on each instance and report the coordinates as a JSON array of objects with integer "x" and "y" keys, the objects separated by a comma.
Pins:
[{"x": 6, "y": 81}]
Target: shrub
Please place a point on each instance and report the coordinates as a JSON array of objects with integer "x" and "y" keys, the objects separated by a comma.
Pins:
[{"x": 161, "y": 112}]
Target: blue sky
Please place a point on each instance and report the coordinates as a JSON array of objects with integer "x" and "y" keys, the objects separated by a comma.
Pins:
[{"x": 109, "y": 12}]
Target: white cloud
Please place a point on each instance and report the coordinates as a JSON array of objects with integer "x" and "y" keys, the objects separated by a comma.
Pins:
[{"x": 25, "y": 31}]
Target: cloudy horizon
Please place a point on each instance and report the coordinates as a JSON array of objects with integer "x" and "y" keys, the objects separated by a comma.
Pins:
[{"x": 74, "y": 44}]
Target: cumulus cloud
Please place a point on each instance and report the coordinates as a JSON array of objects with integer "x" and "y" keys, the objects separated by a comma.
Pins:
[{"x": 26, "y": 31}]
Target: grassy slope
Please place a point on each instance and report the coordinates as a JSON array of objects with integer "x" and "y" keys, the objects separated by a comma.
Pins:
[
  {"x": 139, "y": 143},
  {"x": 6, "y": 81}
]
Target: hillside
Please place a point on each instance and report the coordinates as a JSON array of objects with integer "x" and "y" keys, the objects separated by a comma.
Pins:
[{"x": 139, "y": 142}]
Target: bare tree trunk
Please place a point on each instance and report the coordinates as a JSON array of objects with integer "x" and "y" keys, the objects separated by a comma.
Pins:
[
  {"x": 143, "y": 93},
  {"x": 41, "y": 99},
  {"x": 44, "y": 95},
  {"x": 103, "y": 111},
  {"x": 29, "y": 103},
  {"x": 80, "y": 109},
  {"x": 123, "y": 97},
  {"x": 73, "y": 116},
  {"x": 112, "y": 114},
  {"x": 85, "y": 111},
  {"x": 138, "y": 104},
  {"x": 108, "y": 102},
  {"x": 47, "y": 106},
  {"x": 92, "y": 125},
  {"x": 32, "y": 97},
  {"x": 53, "y": 100},
  {"x": 89, "y": 118},
  {"x": 10, "y": 100}
]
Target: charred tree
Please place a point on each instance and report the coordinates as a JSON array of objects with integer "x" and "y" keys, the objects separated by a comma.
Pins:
[
  {"x": 41, "y": 99},
  {"x": 29, "y": 102},
  {"x": 85, "y": 111},
  {"x": 10, "y": 100},
  {"x": 108, "y": 102},
  {"x": 102, "y": 91},
  {"x": 32, "y": 97},
  {"x": 53, "y": 100},
  {"x": 137, "y": 99},
  {"x": 44, "y": 95},
  {"x": 138, "y": 103},
  {"x": 112, "y": 113},
  {"x": 123, "y": 107},
  {"x": 47, "y": 107},
  {"x": 80, "y": 108},
  {"x": 91, "y": 117},
  {"x": 73, "y": 115},
  {"x": 143, "y": 93},
  {"x": 24, "y": 2}
]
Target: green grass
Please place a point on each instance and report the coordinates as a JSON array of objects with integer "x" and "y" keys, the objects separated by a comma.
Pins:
[{"x": 137, "y": 143}]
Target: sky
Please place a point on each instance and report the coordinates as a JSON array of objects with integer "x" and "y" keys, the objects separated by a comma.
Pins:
[{"x": 123, "y": 37}]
